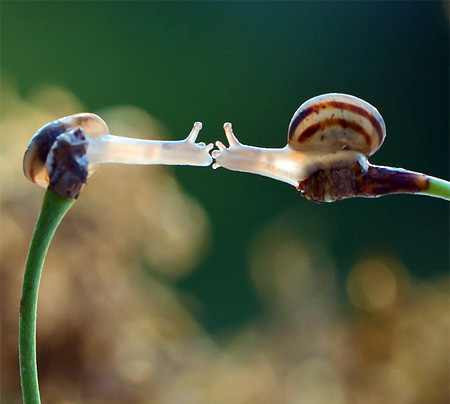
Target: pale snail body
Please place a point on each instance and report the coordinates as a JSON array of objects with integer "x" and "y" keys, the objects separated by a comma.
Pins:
[
  {"x": 330, "y": 130},
  {"x": 88, "y": 135}
]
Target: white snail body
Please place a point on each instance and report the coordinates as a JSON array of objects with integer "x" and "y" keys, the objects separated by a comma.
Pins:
[
  {"x": 330, "y": 130},
  {"x": 83, "y": 140}
]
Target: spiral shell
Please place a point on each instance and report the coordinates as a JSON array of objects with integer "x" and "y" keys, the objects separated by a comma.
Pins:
[
  {"x": 35, "y": 158},
  {"x": 332, "y": 122}
]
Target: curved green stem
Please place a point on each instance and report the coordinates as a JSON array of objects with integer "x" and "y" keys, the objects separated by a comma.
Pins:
[
  {"x": 354, "y": 180},
  {"x": 54, "y": 207},
  {"x": 438, "y": 188}
]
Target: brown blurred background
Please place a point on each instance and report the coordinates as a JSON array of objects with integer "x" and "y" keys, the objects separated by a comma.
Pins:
[{"x": 184, "y": 285}]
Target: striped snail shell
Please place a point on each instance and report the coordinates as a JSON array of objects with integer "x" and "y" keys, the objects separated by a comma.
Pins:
[{"x": 332, "y": 122}]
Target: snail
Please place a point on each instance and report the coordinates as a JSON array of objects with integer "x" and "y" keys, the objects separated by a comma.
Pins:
[
  {"x": 63, "y": 153},
  {"x": 330, "y": 138}
]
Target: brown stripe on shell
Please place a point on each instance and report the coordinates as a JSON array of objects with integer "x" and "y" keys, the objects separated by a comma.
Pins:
[
  {"x": 327, "y": 123},
  {"x": 317, "y": 107},
  {"x": 303, "y": 114}
]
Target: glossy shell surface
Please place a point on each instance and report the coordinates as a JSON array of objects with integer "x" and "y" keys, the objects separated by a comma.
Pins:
[
  {"x": 35, "y": 158},
  {"x": 331, "y": 122}
]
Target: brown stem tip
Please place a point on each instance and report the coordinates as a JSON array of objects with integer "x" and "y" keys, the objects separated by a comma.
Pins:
[
  {"x": 334, "y": 184},
  {"x": 68, "y": 164}
]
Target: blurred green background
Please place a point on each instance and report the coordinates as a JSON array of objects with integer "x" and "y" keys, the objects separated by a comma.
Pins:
[{"x": 253, "y": 64}]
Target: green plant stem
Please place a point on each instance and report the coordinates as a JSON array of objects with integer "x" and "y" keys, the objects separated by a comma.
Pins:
[
  {"x": 54, "y": 207},
  {"x": 438, "y": 188}
]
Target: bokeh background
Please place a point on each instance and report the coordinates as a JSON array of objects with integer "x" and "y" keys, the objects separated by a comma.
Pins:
[{"x": 185, "y": 285}]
